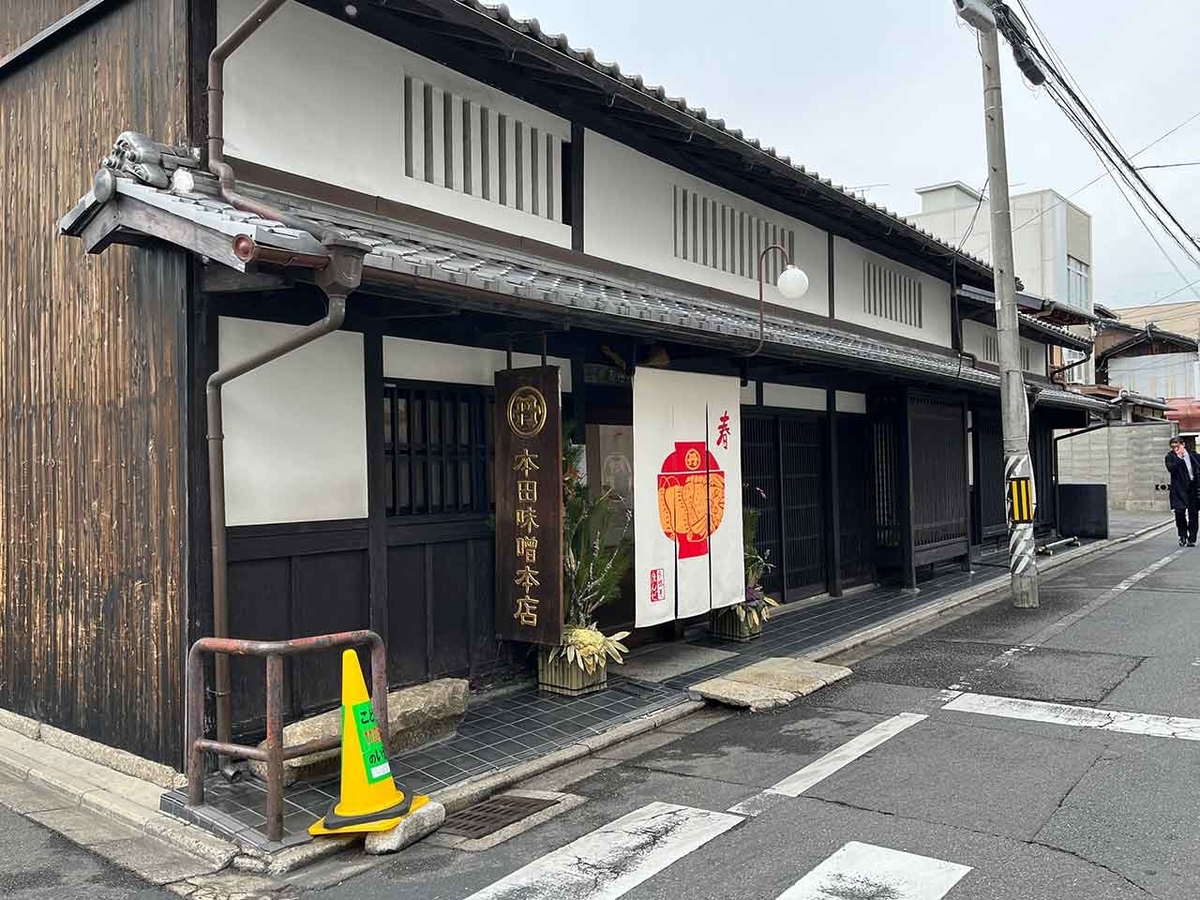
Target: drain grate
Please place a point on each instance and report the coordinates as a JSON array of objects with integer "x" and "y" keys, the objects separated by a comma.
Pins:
[{"x": 491, "y": 815}]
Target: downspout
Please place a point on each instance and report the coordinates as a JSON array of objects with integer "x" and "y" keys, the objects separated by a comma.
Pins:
[
  {"x": 341, "y": 276},
  {"x": 337, "y": 277},
  {"x": 216, "y": 121},
  {"x": 1058, "y": 370}
]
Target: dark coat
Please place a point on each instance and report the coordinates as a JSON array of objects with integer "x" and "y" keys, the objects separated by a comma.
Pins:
[{"x": 1185, "y": 493}]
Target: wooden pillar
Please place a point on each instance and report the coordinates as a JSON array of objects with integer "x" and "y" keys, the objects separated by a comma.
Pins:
[
  {"x": 967, "y": 479},
  {"x": 780, "y": 507},
  {"x": 576, "y": 188},
  {"x": 833, "y": 506},
  {"x": 578, "y": 396},
  {"x": 377, "y": 567},
  {"x": 908, "y": 549}
]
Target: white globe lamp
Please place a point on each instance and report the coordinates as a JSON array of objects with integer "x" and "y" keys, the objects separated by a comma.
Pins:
[{"x": 792, "y": 283}]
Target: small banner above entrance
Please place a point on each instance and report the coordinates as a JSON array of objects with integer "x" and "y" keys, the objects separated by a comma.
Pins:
[
  {"x": 529, "y": 516},
  {"x": 687, "y": 475}
]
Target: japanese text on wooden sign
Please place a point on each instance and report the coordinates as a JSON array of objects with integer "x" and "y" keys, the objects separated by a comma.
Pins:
[{"x": 528, "y": 474}]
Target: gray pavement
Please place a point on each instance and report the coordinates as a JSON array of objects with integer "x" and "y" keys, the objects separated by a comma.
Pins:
[
  {"x": 1014, "y": 808},
  {"x": 37, "y": 863},
  {"x": 1035, "y": 809}
]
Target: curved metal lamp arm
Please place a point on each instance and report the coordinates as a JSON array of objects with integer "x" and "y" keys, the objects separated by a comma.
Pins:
[{"x": 787, "y": 261}]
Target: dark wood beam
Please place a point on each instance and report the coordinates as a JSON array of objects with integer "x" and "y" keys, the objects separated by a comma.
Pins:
[
  {"x": 833, "y": 509},
  {"x": 576, "y": 188},
  {"x": 377, "y": 550},
  {"x": 908, "y": 548}
]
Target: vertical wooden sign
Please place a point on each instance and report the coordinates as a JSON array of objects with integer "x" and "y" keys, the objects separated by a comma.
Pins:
[{"x": 529, "y": 512}]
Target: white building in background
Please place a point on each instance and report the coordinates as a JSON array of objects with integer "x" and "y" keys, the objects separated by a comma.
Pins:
[{"x": 1052, "y": 246}]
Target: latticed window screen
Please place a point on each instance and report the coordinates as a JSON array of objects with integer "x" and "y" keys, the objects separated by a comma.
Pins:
[
  {"x": 890, "y": 294},
  {"x": 991, "y": 352},
  {"x": 466, "y": 146},
  {"x": 438, "y": 449},
  {"x": 726, "y": 238}
]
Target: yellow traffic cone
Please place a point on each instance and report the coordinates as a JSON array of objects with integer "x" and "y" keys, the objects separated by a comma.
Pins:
[{"x": 370, "y": 799}]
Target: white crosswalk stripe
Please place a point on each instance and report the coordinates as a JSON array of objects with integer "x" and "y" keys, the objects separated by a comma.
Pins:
[
  {"x": 1147, "y": 724},
  {"x": 614, "y": 859},
  {"x": 865, "y": 870},
  {"x": 835, "y": 760}
]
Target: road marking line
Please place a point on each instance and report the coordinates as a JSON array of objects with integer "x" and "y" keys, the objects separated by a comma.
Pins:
[
  {"x": 865, "y": 870},
  {"x": 1012, "y": 654},
  {"x": 1078, "y": 716},
  {"x": 799, "y": 782},
  {"x": 613, "y": 859},
  {"x": 1111, "y": 594}
]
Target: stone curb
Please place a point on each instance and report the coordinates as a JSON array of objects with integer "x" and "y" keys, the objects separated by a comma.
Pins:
[{"x": 83, "y": 793}]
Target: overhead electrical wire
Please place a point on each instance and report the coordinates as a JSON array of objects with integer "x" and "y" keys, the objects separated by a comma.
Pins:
[
  {"x": 1070, "y": 98},
  {"x": 1158, "y": 140}
]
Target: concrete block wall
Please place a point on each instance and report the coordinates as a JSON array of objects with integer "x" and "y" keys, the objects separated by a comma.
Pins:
[{"x": 1129, "y": 459}]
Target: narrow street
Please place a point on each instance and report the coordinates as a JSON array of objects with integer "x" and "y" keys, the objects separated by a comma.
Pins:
[
  {"x": 1000, "y": 800},
  {"x": 980, "y": 758}
]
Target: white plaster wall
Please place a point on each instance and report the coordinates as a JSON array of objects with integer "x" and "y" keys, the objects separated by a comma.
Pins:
[
  {"x": 793, "y": 396},
  {"x": 1167, "y": 375},
  {"x": 313, "y": 95},
  {"x": 951, "y": 225},
  {"x": 848, "y": 296},
  {"x": 629, "y": 218},
  {"x": 1040, "y": 233},
  {"x": 295, "y": 430},
  {"x": 973, "y": 334},
  {"x": 850, "y": 402},
  {"x": 455, "y": 364}
]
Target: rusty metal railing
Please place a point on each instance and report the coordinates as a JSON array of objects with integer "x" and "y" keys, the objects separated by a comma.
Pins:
[{"x": 275, "y": 753}]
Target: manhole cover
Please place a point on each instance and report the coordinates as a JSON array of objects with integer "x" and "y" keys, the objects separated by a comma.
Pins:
[{"x": 491, "y": 815}]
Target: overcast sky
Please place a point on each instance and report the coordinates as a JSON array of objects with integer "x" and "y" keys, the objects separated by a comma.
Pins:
[{"x": 889, "y": 91}]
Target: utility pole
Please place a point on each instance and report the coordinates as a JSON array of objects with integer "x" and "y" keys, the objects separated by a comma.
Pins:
[{"x": 1014, "y": 406}]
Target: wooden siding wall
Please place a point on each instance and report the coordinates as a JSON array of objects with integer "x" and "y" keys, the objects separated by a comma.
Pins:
[
  {"x": 91, "y": 503},
  {"x": 299, "y": 579},
  {"x": 22, "y": 19}
]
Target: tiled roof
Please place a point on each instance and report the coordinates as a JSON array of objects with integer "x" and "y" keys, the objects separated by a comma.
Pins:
[
  {"x": 532, "y": 29},
  {"x": 400, "y": 248},
  {"x": 1062, "y": 336}
]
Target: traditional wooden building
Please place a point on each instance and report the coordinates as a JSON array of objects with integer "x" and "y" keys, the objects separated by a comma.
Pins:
[{"x": 480, "y": 195}]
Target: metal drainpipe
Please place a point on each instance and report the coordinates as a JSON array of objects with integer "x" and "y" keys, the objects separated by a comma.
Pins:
[
  {"x": 337, "y": 279},
  {"x": 1058, "y": 370},
  {"x": 216, "y": 121},
  {"x": 216, "y": 478}
]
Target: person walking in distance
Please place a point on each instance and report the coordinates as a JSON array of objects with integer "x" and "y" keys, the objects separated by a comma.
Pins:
[{"x": 1184, "y": 466}]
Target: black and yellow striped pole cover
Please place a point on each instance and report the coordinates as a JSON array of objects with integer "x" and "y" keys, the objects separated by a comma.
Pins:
[{"x": 1020, "y": 500}]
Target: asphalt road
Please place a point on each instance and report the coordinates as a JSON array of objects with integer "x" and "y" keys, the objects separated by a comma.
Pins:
[
  {"x": 39, "y": 864},
  {"x": 962, "y": 804},
  {"x": 980, "y": 759}
]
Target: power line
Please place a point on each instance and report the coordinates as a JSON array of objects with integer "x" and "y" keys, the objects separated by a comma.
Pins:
[
  {"x": 1128, "y": 171},
  {"x": 1070, "y": 98},
  {"x": 1157, "y": 140},
  {"x": 1169, "y": 166},
  {"x": 974, "y": 216}
]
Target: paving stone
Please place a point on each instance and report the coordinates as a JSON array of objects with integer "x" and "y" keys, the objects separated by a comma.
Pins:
[
  {"x": 411, "y": 829},
  {"x": 740, "y": 694},
  {"x": 795, "y": 676}
]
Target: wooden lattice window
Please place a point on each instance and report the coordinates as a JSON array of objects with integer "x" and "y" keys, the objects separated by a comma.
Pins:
[{"x": 438, "y": 448}]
